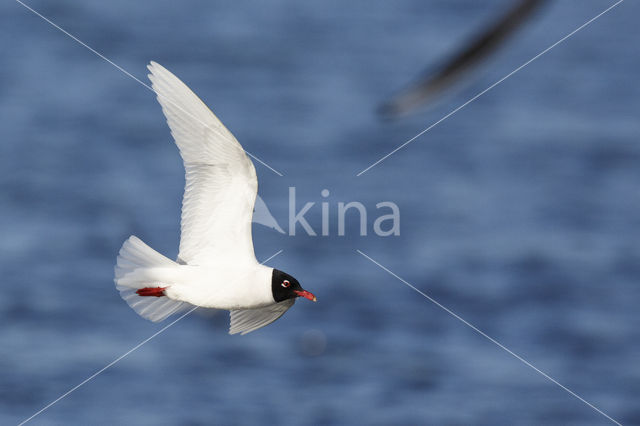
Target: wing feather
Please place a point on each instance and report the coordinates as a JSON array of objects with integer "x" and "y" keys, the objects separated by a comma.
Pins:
[
  {"x": 220, "y": 179},
  {"x": 244, "y": 321}
]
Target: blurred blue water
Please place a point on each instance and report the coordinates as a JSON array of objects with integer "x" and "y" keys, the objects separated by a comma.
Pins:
[{"x": 520, "y": 213}]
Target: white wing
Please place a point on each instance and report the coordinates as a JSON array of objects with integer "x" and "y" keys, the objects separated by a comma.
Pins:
[
  {"x": 244, "y": 321},
  {"x": 221, "y": 184}
]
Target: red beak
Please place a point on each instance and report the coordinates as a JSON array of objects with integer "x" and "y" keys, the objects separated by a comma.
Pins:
[{"x": 306, "y": 295}]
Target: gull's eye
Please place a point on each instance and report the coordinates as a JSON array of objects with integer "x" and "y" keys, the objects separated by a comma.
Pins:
[{"x": 285, "y": 283}]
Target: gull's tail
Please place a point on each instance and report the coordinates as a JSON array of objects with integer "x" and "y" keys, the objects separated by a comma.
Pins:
[{"x": 139, "y": 269}]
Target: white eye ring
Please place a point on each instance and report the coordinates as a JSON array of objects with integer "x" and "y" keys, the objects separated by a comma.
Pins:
[{"x": 285, "y": 283}]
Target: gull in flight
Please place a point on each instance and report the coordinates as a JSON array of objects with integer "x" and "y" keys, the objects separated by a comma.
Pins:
[
  {"x": 430, "y": 85},
  {"x": 216, "y": 265}
]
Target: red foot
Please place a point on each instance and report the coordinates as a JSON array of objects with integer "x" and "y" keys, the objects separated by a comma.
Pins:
[{"x": 151, "y": 291}]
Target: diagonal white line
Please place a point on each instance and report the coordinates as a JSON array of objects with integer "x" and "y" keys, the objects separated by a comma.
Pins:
[
  {"x": 128, "y": 74},
  {"x": 490, "y": 87},
  {"x": 491, "y": 339},
  {"x": 271, "y": 257},
  {"x": 64, "y": 395},
  {"x": 115, "y": 361}
]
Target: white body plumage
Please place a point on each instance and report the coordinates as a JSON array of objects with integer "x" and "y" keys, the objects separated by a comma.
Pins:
[{"x": 216, "y": 265}]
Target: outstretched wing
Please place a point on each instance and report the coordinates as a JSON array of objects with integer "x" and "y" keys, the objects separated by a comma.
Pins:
[
  {"x": 221, "y": 184},
  {"x": 244, "y": 321},
  {"x": 429, "y": 86}
]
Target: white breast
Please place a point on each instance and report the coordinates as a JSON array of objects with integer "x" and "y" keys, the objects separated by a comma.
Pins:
[{"x": 229, "y": 287}]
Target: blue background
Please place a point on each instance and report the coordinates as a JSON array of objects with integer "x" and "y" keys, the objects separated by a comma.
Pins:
[{"x": 520, "y": 213}]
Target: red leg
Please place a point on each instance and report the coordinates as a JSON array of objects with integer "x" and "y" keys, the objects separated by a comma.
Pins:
[{"x": 151, "y": 291}]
